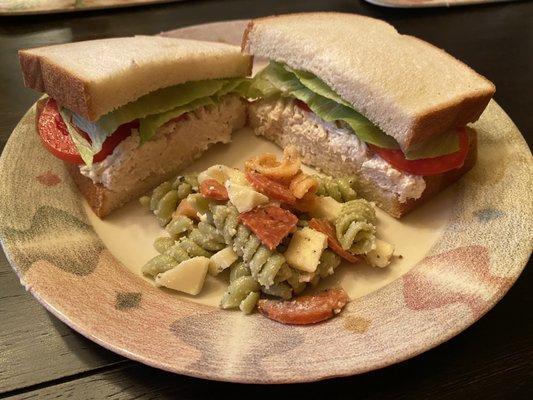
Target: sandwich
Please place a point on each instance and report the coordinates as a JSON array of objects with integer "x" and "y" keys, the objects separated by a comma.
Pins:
[
  {"x": 126, "y": 114},
  {"x": 359, "y": 99}
]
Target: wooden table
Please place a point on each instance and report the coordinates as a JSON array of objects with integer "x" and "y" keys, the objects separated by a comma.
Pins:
[{"x": 40, "y": 357}]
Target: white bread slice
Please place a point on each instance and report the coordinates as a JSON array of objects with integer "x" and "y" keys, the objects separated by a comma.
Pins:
[
  {"x": 132, "y": 170},
  {"x": 95, "y": 77},
  {"x": 284, "y": 123},
  {"x": 409, "y": 88}
]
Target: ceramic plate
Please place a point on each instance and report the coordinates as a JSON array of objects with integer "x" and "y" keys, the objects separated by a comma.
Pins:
[
  {"x": 24, "y": 7},
  {"x": 430, "y": 3},
  {"x": 461, "y": 253}
]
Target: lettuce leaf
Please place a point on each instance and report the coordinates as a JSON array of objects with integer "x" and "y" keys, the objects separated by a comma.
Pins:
[
  {"x": 148, "y": 125},
  {"x": 86, "y": 149},
  {"x": 445, "y": 143},
  {"x": 326, "y": 108},
  {"x": 153, "y": 110},
  {"x": 280, "y": 80}
]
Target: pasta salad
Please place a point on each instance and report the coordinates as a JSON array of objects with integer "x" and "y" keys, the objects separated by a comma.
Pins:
[{"x": 275, "y": 228}]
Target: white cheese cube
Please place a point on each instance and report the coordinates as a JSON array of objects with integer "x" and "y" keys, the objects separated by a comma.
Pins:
[
  {"x": 222, "y": 260},
  {"x": 381, "y": 255},
  {"x": 325, "y": 207},
  {"x": 305, "y": 249},
  {"x": 222, "y": 173},
  {"x": 244, "y": 198},
  {"x": 188, "y": 276}
]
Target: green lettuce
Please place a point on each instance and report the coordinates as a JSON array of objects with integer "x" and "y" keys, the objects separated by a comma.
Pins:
[
  {"x": 152, "y": 110},
  {"x": 279, "y": 80}
]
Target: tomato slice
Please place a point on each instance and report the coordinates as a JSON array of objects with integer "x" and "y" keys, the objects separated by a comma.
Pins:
[
  {"x": 55, "y": 137},
  {"x": 427, "y": 166}
]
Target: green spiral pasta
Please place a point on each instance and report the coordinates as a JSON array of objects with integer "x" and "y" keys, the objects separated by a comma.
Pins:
[
  {"x": 203, "y": 240},
  {"x": 329, "y": 261},
  {"x": 341, "y": 189},
  {"x": 264, "y": 264},
  {"x": 165, "y": 198},
  {"x": 237, "y": 291},
  {"x": 355, "y": 227},
  {"x": 179, "y": 225}
]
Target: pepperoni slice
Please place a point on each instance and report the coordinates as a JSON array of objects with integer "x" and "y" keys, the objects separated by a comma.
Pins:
[
  {"x": 305, "y": 310},
  {"x": 213, "y": 189},
  {"x": 270, "y": 188},
  {"x": 271, "y": 224},
  {"x": 328, "y": 229}
]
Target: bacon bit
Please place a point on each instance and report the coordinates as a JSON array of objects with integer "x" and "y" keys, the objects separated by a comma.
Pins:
[
  {"x": 270, "y": 188},
  {"x": 271, "y": 224},
  {"x": 324, "y": 226},
  {"x": 213, "y": 189},
  {"x": 305, "y": 310},
  {"x": 186, "y": 209}
]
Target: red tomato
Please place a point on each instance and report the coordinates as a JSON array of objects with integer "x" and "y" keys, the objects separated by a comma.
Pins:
[
  {"x": 427, "y": 166},
  {"x": 55, "y": 137}
]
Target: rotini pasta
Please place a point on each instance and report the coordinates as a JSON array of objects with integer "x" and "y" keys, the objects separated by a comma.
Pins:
[
  {"x": 268, "y": 165},
  {"x": 355, "y": 226},
  {"x": 264, "y": 264},
  {"x": 201, "y": 241},
  {"x": 162, "y": 244},
  {"x": 249, "y": 303},
  {"x": 301, "y": 184},
  {"x": 178, "y": 225},
  {"x": 259, "y": 246},
  {"x": 165, "y": 198},
  {"x": 237, "y": 291},
  {"x": 341, "y": 189}
]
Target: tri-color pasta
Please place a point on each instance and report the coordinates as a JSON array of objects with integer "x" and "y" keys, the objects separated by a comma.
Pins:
[
  {"x": 341, "y": 189},
  {"x": 201, "y": 227},
  {"x": 355, "y": 226},
  {"x": 166, "y": 197}
]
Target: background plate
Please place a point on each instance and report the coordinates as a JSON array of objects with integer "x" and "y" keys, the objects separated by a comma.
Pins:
[
  {"x": 430, "y": 3},
  {"x": 469, "y": 245},
  {"x": 27, "y": 7}
]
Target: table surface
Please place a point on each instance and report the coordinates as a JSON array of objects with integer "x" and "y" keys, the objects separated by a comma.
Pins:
[{"x": 40, "y": 357}]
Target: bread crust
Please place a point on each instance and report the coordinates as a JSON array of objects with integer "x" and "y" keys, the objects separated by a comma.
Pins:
[
  {"x": 407, "y": 128},
  {"x": 60, "y": 84},
  {"x": 129, "y": 68}
]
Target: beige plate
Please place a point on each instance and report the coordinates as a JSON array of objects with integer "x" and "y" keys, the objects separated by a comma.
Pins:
[
  {"x": 461, "y": 253},
  {"x": 430, "y": 3},
  {"x": 27, "y": 7}
]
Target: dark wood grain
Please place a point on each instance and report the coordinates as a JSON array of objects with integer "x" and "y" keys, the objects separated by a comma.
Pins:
[
  {"x": 36, "y": 347},
  {"x": 42, "y": 358}
]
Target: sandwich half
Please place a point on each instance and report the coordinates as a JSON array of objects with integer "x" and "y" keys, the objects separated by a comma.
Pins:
[
  {"x": 125, "y": 114},
  {"x": 359, "y": 99}
]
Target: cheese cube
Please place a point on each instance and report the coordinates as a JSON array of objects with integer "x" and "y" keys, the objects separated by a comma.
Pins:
[
  {"x": 188, "y": 276},
  {"x": 381, "y": 255},
  {"x": 325, "y": 207},
  {"x": 222, "y": 260},
  {"x": 244, "y": 198},
  {"x": 222, "y": 173},
  {"x": 305, "y": 249}
]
